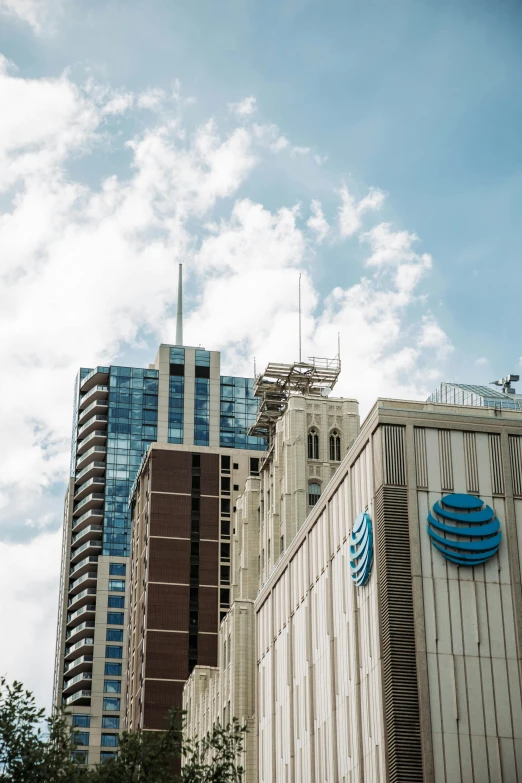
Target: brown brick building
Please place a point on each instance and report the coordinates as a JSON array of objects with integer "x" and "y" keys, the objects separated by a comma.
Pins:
[{"x": 182, "y": 508}]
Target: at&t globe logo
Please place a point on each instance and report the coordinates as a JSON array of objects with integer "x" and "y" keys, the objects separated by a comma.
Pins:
[
  {"x": 464, "y": 529},
  {"x": 361, "y": 549}
]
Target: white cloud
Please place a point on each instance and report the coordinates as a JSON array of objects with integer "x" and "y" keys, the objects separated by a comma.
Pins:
[
  {"x": 29, "y": 580},
  {"x": 351, "y": 211},
  {"x": 433, "y": 336},
  {"x": 88, "y": 270},
  {"x": 244, "y": 108},
  {"x": 37, "y": 13},
  {"x": 317, "y": 221},
  {"x": 481, "y": 361}
]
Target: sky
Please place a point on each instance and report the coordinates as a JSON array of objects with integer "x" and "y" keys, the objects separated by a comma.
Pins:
[{"x": 372, "y": 148}]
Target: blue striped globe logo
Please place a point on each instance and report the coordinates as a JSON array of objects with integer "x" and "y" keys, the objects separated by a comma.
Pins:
[
  {"x": 361, "y": 549},
  {"x": 464, "y": 529}
]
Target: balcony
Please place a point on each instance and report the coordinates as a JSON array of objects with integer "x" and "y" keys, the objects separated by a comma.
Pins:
[
  {"x": 83, "y": 663},
  {"x": 96, "y": 407},
  {"x": 92, "y": 517},
  {"x": 83, "y": 566},
  {"x": 98, "y": 376},
  {"x": 97, "y": 392},
  {"x": 95, "y": 422},
  {"x": 92, "y": 547},
  {"x": 81, "y": 598},
  {"x": 93, "y": 469},
  {"x": 86, "y": 612},
  {"x": 96, "y": 438},
  {"x": 76, "y": 683},
  {"x": 88, "y": 486},
  {"x": 87, "y": 580},
  {"x": 80, "y": 697},
  {"x": 90, "y": 455},
  {"x": 95, "y": 499},
  {"x": 83, "y": 630},
  {"x": 74, "y": 651},
  {"x": 91, "y": 531}
]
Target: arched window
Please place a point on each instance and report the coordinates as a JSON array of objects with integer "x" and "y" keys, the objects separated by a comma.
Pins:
[
  {"x": 314, "y": 491},
  {"x": 335, "y": 447},
  {"x": 313, "y": 444}
]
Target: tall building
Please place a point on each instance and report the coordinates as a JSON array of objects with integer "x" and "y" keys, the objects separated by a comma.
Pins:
[
  {"x": 182, "y": 509},
  {"x": 308, "y": 434},
  {"x": 388, "y": 633},
  {"x": 182, "y": 398}
]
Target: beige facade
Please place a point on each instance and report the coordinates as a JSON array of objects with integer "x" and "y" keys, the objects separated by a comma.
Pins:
[
  {"x": 268, "y": 514},
  {"x": 416, "y": 675}
]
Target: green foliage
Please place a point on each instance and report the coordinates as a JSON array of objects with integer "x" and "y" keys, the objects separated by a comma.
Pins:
[
  {"x": 36, "y": 749},
  {"x": 28, "y": 754}
]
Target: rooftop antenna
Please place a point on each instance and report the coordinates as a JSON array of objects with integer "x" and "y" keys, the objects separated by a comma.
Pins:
[
  {"x": 506, "y": 383},
  {"x": 299, "y": 318},
  {"x": 179, "y": 316}
]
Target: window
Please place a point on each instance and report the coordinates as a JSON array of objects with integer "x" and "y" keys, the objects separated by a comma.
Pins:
[
  {"x": 112, "y": 686},
  {"x": 107, "y": 755},
  {"x": 113, "y": 669},
  {"x": 81, "y": 720},
  {"x": 116, "y": 602},
  {"x": 196, "y": 482},
  {"x": 225, "y": 575},
  {"x": 225, "y": 464},
  {"x": 254, "y": 466},
  {"x": 114, "y": 635},
  {"x": 313, "y": 444},
  {"x": 225, "y": 506},
  {"x": 117, "y": 585},
  {"x": 81, "y": 737},
  {"x": 225, "y": 528},
  {"x": 225, "y": 484},
  {"x": 225, "y": 551},
  {"x": 80, "y": 756},
  {"x": 117, "y": 569},
  {"x": 335, "y": 447},
  {"x": 224, "y": 597},
  {"x": 314, "y": 491},
  {"x": 111, "y": 704},
  {"x": 236, "y": 487},
  {"x": 114, "y": 618},
  {"x": 196, "y": 460},
  {"x": 110, "y": 722},
  {"x": 112, "y": 651},
  {"x": 236, "y": 466},
  {"x": 109, "y": 740}
]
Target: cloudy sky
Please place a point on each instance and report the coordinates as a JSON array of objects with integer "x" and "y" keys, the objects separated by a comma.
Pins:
[{"x": 372, "y": 147}]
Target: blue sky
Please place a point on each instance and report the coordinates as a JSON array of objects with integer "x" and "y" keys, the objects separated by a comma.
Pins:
[{"x": 373, "y": 147}]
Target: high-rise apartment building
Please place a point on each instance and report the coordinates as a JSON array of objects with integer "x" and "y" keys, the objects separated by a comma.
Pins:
[{"x": 181, "y": 398}]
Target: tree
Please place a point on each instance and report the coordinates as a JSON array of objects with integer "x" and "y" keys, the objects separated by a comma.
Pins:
[
  {"x": 36, "y": 749},
  {"x": 152, "y": 757},
  {"x": 28, "y": 754}
]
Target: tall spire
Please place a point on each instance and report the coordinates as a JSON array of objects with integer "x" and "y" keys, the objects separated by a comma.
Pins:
[{"x": 179, "y": 317}]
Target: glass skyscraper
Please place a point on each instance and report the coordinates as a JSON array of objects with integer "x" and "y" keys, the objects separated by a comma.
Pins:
[{"x": 118, "y": 412}]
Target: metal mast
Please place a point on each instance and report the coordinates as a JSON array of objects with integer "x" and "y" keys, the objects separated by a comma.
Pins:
[{"x": 179, "y": 317}]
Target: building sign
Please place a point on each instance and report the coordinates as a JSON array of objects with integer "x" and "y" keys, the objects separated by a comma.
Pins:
[
  {"x": 464, "y": 529},
  {"x": 361, "y": 549}
]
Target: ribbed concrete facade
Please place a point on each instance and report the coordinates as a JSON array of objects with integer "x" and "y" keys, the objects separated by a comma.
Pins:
[{"x": 414, "y": 676}]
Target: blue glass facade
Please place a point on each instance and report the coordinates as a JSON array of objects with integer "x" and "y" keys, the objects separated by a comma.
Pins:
[
  {"x": 238, "y": 410},
  {"x": 131, "y": 427}
]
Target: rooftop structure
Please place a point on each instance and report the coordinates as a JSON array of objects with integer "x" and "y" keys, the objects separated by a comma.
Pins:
[{"x": 482, "y": 396}]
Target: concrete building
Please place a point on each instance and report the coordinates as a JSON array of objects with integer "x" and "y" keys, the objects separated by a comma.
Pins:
[
  {"x": 389, "y": 632},
  {"x": 181, "y": 399},
  {"x": 308, "y": 435}
]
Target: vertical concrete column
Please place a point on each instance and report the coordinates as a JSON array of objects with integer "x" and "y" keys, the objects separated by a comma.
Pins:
[
  {"x": 162, "y": 364},
  {"x": 215, "y": 394}
]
